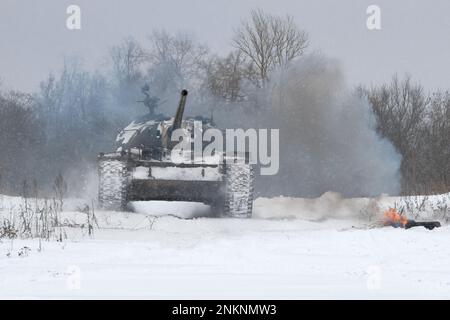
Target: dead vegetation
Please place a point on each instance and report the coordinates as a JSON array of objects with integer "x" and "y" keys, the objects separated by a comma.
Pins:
[
  {"x": 435, "y": 207},
  {"x": 39, "y": 218}
]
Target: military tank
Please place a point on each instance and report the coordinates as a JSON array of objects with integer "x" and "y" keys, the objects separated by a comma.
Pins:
[{"x": 141, "y": 169}]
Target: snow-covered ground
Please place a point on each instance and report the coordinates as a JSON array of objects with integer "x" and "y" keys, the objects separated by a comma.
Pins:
[{"x": 292, "y": 248}]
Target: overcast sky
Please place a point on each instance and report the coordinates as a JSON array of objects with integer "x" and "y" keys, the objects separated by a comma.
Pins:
[{"x": 415, "y": 34}]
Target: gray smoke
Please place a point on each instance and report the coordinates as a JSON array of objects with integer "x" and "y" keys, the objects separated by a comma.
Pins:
[{"x": 328, "y": 140}]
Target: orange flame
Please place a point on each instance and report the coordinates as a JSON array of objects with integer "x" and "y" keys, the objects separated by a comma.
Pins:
[{"x": 393, "y": 218}]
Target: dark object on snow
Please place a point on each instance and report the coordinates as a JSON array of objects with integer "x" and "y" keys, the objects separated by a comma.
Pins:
[
  {"x": 142, "y": 168},
  {"x": 430, "y": 225},
  {"x": 394, "y": 219}
]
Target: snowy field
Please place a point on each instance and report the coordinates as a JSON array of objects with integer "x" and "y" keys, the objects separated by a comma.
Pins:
[{"x": 292, "y": 248}]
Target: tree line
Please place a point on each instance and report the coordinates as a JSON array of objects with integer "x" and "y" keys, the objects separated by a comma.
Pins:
[
  {"x": 418, "y": 124},
  {"x": 75, "y": 114}
]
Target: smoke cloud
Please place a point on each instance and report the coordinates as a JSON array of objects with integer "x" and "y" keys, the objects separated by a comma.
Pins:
[{"x": 328, "y": 140}]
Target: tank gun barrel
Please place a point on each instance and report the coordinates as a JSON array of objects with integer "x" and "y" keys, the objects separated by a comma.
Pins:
[{"x": 180, "y": 110}]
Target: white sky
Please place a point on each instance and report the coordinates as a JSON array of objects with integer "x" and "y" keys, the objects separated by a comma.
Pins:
[{"x": 415, "y": 35}]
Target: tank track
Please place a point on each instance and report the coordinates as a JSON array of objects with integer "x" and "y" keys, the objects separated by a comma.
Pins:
[
  {"x": 239, "y": 190},
  {"x": 115, "y": 178},
  {"x": 113, "y": 184}
]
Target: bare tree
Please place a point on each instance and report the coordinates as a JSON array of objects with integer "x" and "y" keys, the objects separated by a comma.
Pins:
[
  {"x": 20, "y": 138},
  {"x": 73, "y": 110},
  {"x": 176, "y": 60},
  {"x": 270, "y": 41},
  {"x": 437, "y": 145},
  {"x": 128, "y": 58},
  {"x": 227, "y": 77},
  {"x": 418, "y": 127},
  {"x": 400, "y": 107}
]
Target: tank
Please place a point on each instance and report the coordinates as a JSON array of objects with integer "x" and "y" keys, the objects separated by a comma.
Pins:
[{"x": 141, "y": 169}]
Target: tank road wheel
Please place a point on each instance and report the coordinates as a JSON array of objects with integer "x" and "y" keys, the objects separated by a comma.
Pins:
[
  {"x": 113, "y": 183},
  {"x": 239, "y": 190}
]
